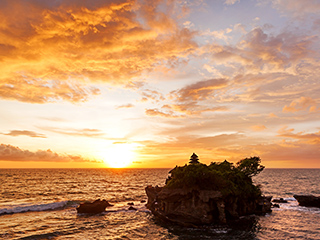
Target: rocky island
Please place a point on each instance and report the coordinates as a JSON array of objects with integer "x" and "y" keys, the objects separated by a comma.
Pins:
[
  {"x": 308, "y": 200},
  {"x": 197, "y": 194}
]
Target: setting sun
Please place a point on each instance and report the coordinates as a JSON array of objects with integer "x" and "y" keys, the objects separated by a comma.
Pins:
[{"x": 119, "y": 155}]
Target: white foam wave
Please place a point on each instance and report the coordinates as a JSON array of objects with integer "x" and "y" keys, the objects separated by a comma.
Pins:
[
  {"x": 290, "y": 199},
  {"x": 293, "y": 205},
  {"x": 25, "y": 207}
]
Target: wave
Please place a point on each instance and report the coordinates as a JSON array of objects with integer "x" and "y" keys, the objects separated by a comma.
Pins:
[
  {"x": 290, "y": 199},
  {"x": 25, "y": 207},
  {"x": 32, "y": 207}
]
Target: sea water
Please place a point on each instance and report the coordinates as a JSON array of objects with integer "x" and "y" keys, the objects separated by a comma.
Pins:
[{"x": 41, "y": 204}]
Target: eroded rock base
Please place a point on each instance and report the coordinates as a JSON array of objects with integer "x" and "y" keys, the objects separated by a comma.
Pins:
[{"x": 198, "y": 207}]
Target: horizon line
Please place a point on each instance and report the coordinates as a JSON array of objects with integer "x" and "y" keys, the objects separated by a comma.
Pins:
[{"x": 137, "y": 168}]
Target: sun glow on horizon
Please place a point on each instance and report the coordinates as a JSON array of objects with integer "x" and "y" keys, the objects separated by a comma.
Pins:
[{"x": 119, "y": 155}]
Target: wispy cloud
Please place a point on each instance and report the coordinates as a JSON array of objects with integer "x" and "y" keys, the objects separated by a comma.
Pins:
[
  {"x": 84, "y": 132},
  {"x": 152, "y": 95},
  {"x": 156, "y": 112},
  {"x": 16, "y": 133},
  {"x": 311, "y": 138},
  {"x": 129, "y": 105},
  {"x": 12, "y": 153}
]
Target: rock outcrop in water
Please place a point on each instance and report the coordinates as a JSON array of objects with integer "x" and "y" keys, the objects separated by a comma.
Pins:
[
  {"x": 308, "y": 200},
  {"x": 198, "y": 194},
  {"x": 280, "y": 200},
  {"x": 95, "y": 207}
]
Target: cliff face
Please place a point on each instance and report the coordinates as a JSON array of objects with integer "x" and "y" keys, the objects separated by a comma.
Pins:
[{"x": 195, "y": 206}]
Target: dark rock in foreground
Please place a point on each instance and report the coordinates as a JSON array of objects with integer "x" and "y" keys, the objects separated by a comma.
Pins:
[
  {"x": 95, "y": 207},
  {"x": 308, "y": 200},
  {"x": 196, "y": 207}
]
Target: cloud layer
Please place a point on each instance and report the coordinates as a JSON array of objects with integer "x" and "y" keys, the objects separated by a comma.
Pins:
[
  {"x": 54, "y": 51},
  {"x": 12, "y": 153}
]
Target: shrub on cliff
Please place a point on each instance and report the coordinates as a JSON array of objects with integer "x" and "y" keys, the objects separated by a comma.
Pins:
[{"x": 223, "y": 176}]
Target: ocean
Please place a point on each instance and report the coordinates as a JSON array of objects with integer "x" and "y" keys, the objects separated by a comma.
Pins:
[{"x": 41, "y": 204}]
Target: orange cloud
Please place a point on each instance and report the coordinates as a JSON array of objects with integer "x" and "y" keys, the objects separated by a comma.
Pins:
[
  {"x": 308, "y": 138},
  {"x": 285, "y": 131},
  {"x": 12, "y": 153},
  {"x": 25, "y": 133},
  {"x": 129, "y": 105},
  {"x": 43, "y": 91},
  {"x": 191, "y": 100},
  {"x": 200, "y": 90},
  {"x": 48, "y": 46},
  {"x": 153, "y": 95},
  {"x": 258, "y": 128},
  {"x": 156, "y": 112},
  {"x": 272, "y": 115},
  {"x": 192, "y": 108},
  {"x": 301, "y": 104},
  {"x": 85, "y": 132}
]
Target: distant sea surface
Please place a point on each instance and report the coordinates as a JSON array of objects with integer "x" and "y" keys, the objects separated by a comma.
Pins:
[{"x": 41, "y": 204}]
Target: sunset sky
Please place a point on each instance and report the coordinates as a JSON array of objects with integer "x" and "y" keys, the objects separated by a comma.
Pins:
[{"x": 130, "y": 83}]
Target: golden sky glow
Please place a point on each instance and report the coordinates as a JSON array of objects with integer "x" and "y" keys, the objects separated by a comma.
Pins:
[{"x": 137, "y": 83}]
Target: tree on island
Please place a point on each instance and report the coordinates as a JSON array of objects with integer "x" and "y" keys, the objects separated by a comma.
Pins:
[
  {"x": 250, "y": 166},
  {"x": 221, "y": 176}
]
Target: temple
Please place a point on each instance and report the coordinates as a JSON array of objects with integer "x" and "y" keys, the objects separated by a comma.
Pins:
[{"x": 194, "y": 159}]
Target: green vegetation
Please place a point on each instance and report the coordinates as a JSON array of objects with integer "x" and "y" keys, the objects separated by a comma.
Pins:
[
  {"x": 223, "y": 176},
  {"x": 250, "y": 166}
]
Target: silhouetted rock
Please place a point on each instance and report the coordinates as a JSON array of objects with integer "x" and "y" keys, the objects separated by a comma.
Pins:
[
  {"x": 195, "y": 207},
  {"x": 132, "y": 208},
  {"x": 131, "y": 203},
  {"x": 276, "y": 205},
  {"x": 142, "y": 201},
  {"x": 308, "y": 200},
  {"x": 95, "y": 207},
  {"x": 281, "y": 200},
  {"x": 197, "y": 193}
]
